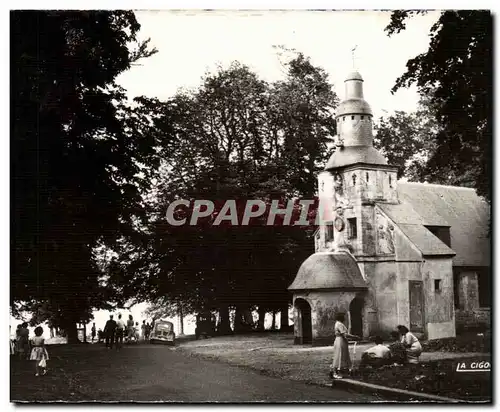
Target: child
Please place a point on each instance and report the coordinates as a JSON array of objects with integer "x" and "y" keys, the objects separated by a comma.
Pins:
[{"x": 39, "y": 353}]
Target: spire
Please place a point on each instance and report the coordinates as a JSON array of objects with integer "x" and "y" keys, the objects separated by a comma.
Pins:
[
  {"x": 354, "y": 127},
  {"x": 353, "y": 57}
]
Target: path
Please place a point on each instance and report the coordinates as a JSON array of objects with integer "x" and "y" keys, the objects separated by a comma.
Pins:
[{"x": 156, "y": 373}]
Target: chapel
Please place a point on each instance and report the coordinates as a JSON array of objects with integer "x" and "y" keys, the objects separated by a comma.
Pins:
[{"x": 389, "y": 252}]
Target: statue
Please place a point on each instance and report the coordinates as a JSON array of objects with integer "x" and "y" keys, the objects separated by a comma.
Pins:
[{"x": 341, "y": 201}]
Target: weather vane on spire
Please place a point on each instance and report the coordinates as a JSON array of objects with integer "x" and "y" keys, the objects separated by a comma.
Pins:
[{"x": 354, "y": 57}]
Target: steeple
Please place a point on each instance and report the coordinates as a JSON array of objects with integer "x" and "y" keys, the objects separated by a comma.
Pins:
[{"x": 354, "y": 127}]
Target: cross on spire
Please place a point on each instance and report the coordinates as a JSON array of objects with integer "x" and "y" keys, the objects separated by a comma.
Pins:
[{"x": 354, "y": 57}]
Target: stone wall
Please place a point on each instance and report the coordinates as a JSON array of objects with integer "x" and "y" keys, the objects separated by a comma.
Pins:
[
  {"x": 439, "y": 304},
  {"x": 381, "y": 309},
  {"x": 324, "y": 306},
  {"x": 469, "y": 316},
  {"x": 477, "y": 319}
]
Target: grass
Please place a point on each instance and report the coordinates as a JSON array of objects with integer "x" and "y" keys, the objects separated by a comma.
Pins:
[
  {"x": 276, "y": 355},
  {"x": 437, "y": 378},
  {"x": 467, "y": 342}
]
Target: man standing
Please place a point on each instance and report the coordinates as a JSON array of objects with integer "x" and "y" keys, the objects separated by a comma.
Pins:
[
  {"x": 109, "y": 332},
  {"x": 93, "y": 332},
  {"x": 120, "y": 330}
]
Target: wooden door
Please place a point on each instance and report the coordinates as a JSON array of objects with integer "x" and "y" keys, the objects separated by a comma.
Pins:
[{"x": 416, "y": 305}]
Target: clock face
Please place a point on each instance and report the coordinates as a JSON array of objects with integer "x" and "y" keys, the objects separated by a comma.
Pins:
[{"x": 339, "y": 224}]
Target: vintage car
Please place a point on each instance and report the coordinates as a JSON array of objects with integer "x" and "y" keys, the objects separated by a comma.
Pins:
[
  {"x": 163, "y": 332},
  {"x": 205, "y": 325}
]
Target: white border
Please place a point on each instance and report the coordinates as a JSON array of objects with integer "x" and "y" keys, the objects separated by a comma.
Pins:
[{"x": 179, "y": 4}]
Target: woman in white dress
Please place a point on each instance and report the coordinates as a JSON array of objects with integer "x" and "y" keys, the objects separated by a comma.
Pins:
[{"x": 341, "y": 357}]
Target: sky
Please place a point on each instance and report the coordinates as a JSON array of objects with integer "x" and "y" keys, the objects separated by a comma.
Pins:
[{"x": 191, "y": 42}]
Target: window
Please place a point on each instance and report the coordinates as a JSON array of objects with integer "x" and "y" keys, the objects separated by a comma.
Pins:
[
  {"x": 352, "y": 117},
  {"x": 362, "y": 117},
  {"x": 353, "y": 228},
  {"x": 354, "y": 179},
  {"x": 442, "y": 233},
  {"x": 367, "y": 177},
  {"x": 329, "y": 232},
  {"x": 437, "y": 285}
]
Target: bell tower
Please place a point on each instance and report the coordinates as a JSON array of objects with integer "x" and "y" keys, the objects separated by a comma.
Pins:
[{"x": 355, "y": 177}]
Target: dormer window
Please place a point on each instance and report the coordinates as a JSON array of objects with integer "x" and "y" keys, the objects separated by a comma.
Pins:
[{"x": 442, "y": 233}]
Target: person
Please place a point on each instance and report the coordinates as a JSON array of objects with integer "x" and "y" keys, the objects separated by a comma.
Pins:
[
  {"x": 17, "y": 339},
  {"x": 341, "y": 357},
  {"x": 411, "y": 344},
  {"x": 39, "y": 352},
  {"x": 130, "y": 327},
  {"x": 136, "y": 332},
  {"x": 93, "y": 332},
  {"x": 398, "y": 351},
  {"x": 143, "y": 330},
  {"x": 11, "y": 342},
  {"x": 23, "y": 341},
  {"x": 109, "y": 332},
  {"x": 120, "y": 330},
  {"x": 148, "y": 330},
  {"x": 376, "y": 356}
]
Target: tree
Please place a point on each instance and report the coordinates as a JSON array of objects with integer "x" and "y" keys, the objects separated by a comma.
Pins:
[
  {"x": 79, "y": 151},
  {"x": 237, "y": 137},
  {"x": 456, "y": 72}
]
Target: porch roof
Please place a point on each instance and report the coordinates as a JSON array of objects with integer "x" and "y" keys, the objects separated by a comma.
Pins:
[{"x": 329, "y": 270}]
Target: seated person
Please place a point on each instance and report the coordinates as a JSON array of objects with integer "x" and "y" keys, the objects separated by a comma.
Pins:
[
  {"x": 398, "y": 350},
  {"x": 376, "y": 356},
  {"x": 411, "y": 344}
]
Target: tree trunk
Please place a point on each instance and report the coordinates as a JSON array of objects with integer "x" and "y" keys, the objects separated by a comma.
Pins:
[
  {"x": 224, "y": 327},
  {"x": 247, "y": 319},
  {"x": 284, "y": 318},
  {"x": 84, "y": 333},
  {"x": 262, "y": 317},
  {"x": 181, "y": 321},
  {"x": 71, "y": 332},
  {"x": 238, "y": 320},
  {"x": 273, "y": 325}
]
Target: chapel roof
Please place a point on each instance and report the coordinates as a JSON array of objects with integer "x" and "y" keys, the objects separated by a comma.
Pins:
[
  {"x": 350, "y": 155},
  {"x": 354, "y": 75},
  {"x": 460, "y": 208},
  {"x": 328, "y": 270}
]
